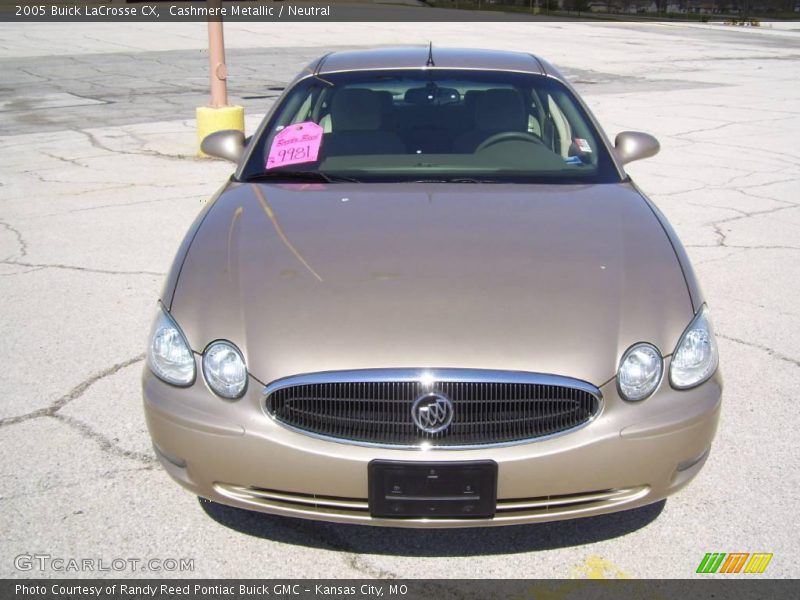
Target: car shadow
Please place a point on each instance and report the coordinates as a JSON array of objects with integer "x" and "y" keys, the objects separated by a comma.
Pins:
[{"x": 363, "y": 539}]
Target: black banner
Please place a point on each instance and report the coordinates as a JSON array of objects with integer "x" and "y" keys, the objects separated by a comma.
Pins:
[
  {"x": 715, "y": 586},
  {"x": 245, "y": 10},
  {"x": 358, "y": 11}
]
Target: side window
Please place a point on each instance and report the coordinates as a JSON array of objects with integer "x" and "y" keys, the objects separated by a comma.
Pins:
[
  {"x": 295, "y": 109},
  {"x": 304, "y": 111}
]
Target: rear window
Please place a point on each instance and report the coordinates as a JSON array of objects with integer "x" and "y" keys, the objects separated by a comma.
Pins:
[{"x": 437, "y": 124}]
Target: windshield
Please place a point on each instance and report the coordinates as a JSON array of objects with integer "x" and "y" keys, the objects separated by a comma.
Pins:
[{"x": 431, "y": 125}]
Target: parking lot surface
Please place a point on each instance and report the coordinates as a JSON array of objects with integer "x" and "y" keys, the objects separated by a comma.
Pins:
[{"x": 99, "y": 181}]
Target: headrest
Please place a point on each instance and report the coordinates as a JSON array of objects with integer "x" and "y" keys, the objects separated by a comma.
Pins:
[
  {"x": 471, "y": 99},
  {"x": 355, "y": 109},
  {"x": 386, "y": 102},
  {"x": 500, "y": 110}
]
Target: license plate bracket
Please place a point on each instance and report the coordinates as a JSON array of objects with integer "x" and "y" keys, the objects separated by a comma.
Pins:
[{"x": 436, "y": 490}]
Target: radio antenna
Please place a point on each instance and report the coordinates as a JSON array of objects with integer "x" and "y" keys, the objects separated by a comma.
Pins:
[{"x": 430, "y": 62}]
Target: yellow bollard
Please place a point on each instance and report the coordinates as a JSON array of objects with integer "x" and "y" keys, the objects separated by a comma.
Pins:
[
  {"x": 211, "y": 119},
  {"x": 219, "y": 115}
]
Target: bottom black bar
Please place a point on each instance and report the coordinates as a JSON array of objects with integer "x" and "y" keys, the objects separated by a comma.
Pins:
[{"x": 715, "y": 586}]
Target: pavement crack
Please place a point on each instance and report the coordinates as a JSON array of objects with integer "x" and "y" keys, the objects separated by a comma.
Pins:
[
  {"x": 42, "y": 179},
  {"x": 721, "y": 235},
  {"x": 725, "y": 256},
  {"x": 764, "y": 247},
  {"x": 770, "y": 351},
  {"x": 81, "y": 388},
  {"x": 755, "y": 213},
  {"x": 69, "y": 161},
  {"x": 132, "y": 203},
  {"x": 37, "y": 266},
  {"x": 96, "y": 143},
  {"x": 726, "y": 124},
  {"x": 23, "y": 245},
  {"x": 15, "y": 273},
  {"x": 749, "y": 194},
  {"x": 106, "y": 445},
  {"x": 105, "y": 475},
  {"x": 740, "y": 247},
  {"x": 683, "y": 134},
  {"x": 73, "y": 394},
  {"x": 679, "y": 192},
  {"x": 32, "y": 74},
  {"x": 769, "y": 183}
]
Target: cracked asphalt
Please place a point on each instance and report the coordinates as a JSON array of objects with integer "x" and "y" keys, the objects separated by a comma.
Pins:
[{"x": 98, "y": 183}]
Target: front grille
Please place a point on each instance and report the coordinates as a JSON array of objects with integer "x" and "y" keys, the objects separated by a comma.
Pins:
[{"x": 369, "y": 408}]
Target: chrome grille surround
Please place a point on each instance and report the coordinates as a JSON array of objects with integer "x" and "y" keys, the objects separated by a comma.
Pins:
[{"x": 372, "y": 407}]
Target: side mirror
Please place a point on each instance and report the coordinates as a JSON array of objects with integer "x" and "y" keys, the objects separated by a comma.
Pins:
[
  {"x": 227, "y": 144},
  {"x": 634, "y": 145}
]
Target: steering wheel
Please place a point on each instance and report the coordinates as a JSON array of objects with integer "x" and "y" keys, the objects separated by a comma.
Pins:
[{"x": 507, "y": 136}]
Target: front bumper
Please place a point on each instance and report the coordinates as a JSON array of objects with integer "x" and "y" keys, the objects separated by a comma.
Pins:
[{"x": 632, "y": 454}]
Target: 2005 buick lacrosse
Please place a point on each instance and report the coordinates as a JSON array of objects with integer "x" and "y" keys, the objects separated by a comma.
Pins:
[{"x": 430, "y": 296}]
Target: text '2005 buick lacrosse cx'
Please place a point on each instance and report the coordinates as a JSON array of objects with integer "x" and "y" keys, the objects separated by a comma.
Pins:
[{"x": 430, "y": 296}]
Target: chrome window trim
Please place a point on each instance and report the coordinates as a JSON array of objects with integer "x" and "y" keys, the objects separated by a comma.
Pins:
[
  {"x": 434, "y": 375},
  {"x": 423, "y": 69}
]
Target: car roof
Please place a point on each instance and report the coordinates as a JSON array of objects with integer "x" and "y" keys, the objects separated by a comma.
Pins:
[{"x": 443, "y": 58}]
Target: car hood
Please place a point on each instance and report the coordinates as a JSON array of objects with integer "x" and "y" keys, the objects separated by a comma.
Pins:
[{"x": 554, "y": 279}]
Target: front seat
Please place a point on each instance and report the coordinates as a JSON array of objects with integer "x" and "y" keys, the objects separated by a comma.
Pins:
[
  {"x": 357, "y": 116},
  {"x": 496, "y": 111}
]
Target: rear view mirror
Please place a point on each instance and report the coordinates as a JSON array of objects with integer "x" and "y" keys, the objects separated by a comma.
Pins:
[
  {"x": 635, "y": 145},
  {"x": 227, "y": 144},
  {"x": 432, "y": 94}
]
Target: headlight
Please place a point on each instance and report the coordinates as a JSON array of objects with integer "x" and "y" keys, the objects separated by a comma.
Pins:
[
  {"x": 224, "y": 370},
  {"x": 639, "y": 372},
  {"x": 168, "y": 354},
  {"x": 695, "y": 358}
]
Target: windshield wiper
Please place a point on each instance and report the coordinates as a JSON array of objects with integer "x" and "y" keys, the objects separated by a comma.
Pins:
[
  {"x": 471, "y": 180},
  {"x": 301, "y": 176},
  {"x": 457, "y": 180}
]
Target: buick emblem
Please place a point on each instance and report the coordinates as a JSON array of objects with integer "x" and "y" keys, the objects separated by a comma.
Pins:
[{"x": 432, "y": 412}]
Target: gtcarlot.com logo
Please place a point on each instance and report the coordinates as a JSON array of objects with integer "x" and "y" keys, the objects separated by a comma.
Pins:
[
  {"x": 60, "y": 564},
  {"x": 734, "y": 562}
]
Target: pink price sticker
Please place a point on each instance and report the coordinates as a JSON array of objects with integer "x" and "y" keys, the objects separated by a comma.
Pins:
[{"x": 297, "y": 143}]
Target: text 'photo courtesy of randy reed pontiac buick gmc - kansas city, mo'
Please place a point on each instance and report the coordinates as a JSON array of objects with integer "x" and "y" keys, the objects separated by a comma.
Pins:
[{"x": 430, "y": 296}]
